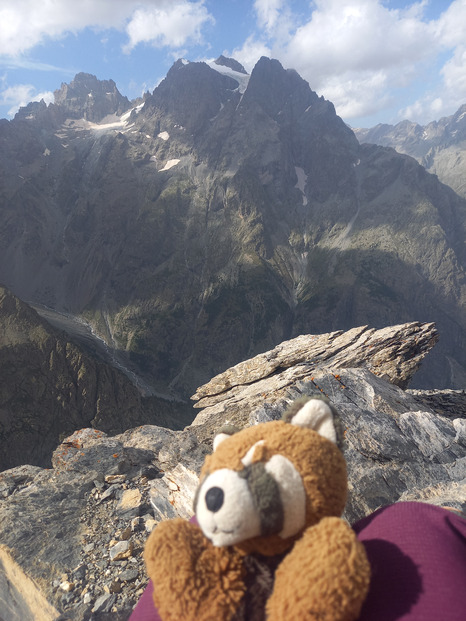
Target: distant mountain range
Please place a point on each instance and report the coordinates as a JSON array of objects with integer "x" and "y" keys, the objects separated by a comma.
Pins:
[
  {"x": 222, "y": 214},
  {"x": 439, "y": 146}
]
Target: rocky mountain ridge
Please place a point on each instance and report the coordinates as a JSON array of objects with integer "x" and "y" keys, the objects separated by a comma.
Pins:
[
  {"x": 218, "y": 217},
  {"x": 50, "y": 386},
  {"x": 92, "y": 512},
  {"x": 440, "y": 146}
]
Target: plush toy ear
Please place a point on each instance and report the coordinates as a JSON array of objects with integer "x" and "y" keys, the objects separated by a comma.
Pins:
[
  {"x": 313, "y": 413},
  {"x": 223, "y": 433}
]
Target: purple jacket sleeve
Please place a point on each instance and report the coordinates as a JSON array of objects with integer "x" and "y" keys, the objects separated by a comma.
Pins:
[{"x": 417, "y": 554}]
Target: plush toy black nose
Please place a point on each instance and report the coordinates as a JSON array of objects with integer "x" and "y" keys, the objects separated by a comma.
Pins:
[{"x": 214, "y": 498}]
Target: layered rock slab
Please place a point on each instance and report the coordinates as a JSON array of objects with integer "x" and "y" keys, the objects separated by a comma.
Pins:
[{"x": 394, "y": 352}]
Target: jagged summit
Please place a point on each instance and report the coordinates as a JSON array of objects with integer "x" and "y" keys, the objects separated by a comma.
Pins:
[
  {"x": 231, "y": 63},
  {"x": 190, "y": 95},
  {"x": 92, "y": 99}
]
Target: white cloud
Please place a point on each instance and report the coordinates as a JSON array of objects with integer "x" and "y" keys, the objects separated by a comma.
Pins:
[
  {"x": 448, "y": 98},
  {"x": 268, "y": 13},
  {"x": 450, "y": 27},
  {"x": 168, "y": 24},
  {"x": 449, "y": 37},
  {"x": 358, "y": 95},
  {"x": 364, "y": 35},
  {"x": 250, "y": 52},
  {"x": 26, "y": 23},
  {"x": 20, "y": 95},
  {"x": 358, "y": 52},
  {"x": 353, "y": 52}
]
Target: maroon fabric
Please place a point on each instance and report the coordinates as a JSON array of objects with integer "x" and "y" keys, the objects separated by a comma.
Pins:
[
  {"x": 417, "y": 554},
  {"x": 145, "y": 609}
]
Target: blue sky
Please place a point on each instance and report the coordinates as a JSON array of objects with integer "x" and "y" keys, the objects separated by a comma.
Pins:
[{"x": 376, "y": 60}]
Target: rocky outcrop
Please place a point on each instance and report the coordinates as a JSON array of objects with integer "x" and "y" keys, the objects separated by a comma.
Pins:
[
  {"x": 394, "y": 353},
  {"x": 50, "y": 387},
  {"x": 88, "y": 517},
  {"x": 231, "y": 63},
  {"x": 89, "y": 98}
]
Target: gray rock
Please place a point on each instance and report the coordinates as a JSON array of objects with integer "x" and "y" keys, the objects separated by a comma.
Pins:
[
  {"x": 121, "y": 550},
  {"x": 397, "y": 444},
  {"x": 128, "y": 575},
  {"x": 104, "y": 603},
  {"x": 394, "y": 353}
]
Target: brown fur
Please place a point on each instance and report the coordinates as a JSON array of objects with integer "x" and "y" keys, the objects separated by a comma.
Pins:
[
  {"x": 325, "y": 575},
  {"x": 192, "y": 579}
]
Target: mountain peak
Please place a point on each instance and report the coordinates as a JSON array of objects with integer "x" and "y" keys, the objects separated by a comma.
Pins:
[
  {"x": 189, "y": 82},
  {"x": 231, "y": 63},
  {"x": 87, "y": 97}
]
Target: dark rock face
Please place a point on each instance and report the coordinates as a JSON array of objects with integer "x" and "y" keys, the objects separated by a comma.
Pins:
[
  {"x": 439, "y": 146},
  {"x": 89, "y": 98},
  {"x": 223, "y": 215},
  {"x": 50, "y": 387},
  {"x": 231, "y": 63},
  {"x": 72, "y": 537}
]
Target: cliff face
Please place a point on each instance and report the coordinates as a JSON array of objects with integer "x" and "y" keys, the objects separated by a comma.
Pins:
[
  {"x": 92, "y": 512},
  {"x": 50, "y": 387},
  {"x": 220, "y": 216}
]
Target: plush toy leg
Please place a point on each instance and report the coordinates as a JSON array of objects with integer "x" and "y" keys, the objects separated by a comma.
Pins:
[
  {"x": 192, "y": 579},
  {"x": 325, "y": 577}
]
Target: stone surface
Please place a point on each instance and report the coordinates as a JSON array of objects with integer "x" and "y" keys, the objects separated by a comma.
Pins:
[
  {"x": 394, "y": 353},
  {"x": 121, "y": 550},
  {"x": 64, "y": 524}
]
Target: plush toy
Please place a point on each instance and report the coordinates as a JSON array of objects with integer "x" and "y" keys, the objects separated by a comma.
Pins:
[{"x": 269, "y": 542}]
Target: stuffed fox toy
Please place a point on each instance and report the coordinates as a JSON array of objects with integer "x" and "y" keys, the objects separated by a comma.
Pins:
[{"x": 269, "y": 542}]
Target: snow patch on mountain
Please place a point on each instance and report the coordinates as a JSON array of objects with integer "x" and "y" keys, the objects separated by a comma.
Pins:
[
  {"x": 241, "y": 78},
  {"x": 170, "y": 164},
  {"x": 301, "y": 184},
  {"x": 137, "y": 109}
]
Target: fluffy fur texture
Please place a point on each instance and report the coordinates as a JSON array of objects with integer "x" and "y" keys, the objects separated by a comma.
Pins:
[{"x": 270, "y": 542}]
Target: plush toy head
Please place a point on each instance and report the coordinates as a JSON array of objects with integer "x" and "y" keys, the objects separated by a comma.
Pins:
[{"x": 264, "y": 485}]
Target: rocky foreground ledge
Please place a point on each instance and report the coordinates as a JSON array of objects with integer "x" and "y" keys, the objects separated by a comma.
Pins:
[{"x": 72, "y": 536}]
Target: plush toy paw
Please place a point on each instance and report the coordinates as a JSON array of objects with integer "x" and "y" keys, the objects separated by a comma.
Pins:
[
  {"x": 192, "y": 578},
  {"x": 324, "y": 578}
]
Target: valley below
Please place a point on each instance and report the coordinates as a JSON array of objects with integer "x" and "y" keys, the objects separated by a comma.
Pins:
[{"x": 82, "y": 333}]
